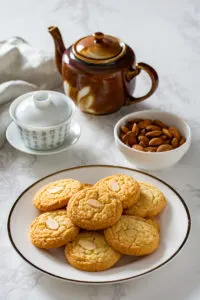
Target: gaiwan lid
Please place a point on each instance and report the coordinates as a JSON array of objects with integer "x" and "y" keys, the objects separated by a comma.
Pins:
[
  {"x": 99, "y": 48},
  {"x": 42, "y": 109}
]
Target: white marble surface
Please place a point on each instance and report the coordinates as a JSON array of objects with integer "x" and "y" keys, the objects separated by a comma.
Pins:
[{"x": 165, "y": 34}]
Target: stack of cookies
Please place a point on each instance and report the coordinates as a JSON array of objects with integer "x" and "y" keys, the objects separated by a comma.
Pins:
[{"x": 98, "y": 223}]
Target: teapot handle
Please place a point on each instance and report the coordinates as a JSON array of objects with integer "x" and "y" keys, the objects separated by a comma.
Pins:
[{"x": 134, "y": 72}]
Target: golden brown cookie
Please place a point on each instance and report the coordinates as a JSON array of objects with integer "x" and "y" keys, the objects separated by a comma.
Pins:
[
  {"x": 150, "y": 203},
  {"x": 52, "y": 229},
  {"x": 132, "y": 237},
  {"x": 90, "y": 252},
  {"x": 56, "y": 194},
  {"x": 125, "y": 187},
  {"x": 94, "y": 209}
]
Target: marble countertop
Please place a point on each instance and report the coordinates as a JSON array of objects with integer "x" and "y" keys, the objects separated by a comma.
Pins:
[{"x": 165, "y": 34}]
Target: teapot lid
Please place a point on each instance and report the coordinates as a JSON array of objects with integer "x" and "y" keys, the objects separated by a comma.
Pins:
[
  {"x": 42, "y": 109},
  {"x": 99, "y": 48}
]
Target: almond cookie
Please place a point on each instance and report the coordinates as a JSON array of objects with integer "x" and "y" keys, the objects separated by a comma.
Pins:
[
  {"x": 151, "y": 202},
  {"x": 125, "y": 187},
  {"x": 56, "y": 194},
  {"x": 131, "y": 236},
  {"x": 90, "y": 252},
  {"x": 94, "y": 208},
  {"x": 52, "y": 229}
]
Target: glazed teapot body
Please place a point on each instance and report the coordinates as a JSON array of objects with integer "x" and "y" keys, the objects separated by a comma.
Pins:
[{"x": 99, "y": 72}]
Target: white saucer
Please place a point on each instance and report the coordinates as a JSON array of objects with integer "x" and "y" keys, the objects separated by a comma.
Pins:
[{"x": 14, "y": 138}]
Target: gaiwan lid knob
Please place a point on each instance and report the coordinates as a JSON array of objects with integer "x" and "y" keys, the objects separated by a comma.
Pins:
[{"x": 43, "y": 109}]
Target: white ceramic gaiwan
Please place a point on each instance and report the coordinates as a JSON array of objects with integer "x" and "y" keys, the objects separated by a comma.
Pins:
[
  {"x": 43, "y": 117},
  {"x": 154, "y": 161}
]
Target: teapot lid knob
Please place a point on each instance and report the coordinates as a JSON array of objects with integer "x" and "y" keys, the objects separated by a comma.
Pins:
[{"x": 98, "y": 36}]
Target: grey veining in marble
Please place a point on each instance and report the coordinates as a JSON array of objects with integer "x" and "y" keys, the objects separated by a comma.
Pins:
[{"x": 165, "y": 34}]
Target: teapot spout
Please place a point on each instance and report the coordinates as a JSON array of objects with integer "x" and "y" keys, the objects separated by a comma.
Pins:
[{"x": 59, "y": 46}]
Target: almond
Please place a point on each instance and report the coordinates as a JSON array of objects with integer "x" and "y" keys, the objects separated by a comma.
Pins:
[
  {"x": 121, "y": 136},
  {"x": 182, "y": 141},
  {"x": 152, "y": 127},
  {"x": 163, "y": 137},
  {"x": 150, "y": 149},
  {"x": 174, "y": 132},
  {"x": 144, "y": 141},
  {"x": 175, "y": 142},
  {"x": 163, "y": 148},
  {"x": 167, "y": 133},
  {"x": 144, "y": 124},
  {"x": 130, "y": 138},
  {"x": 138, "y": 147},
  {"x": 154, "y": 133},
  {"x": 94, "y": 203},
  {"x": 124, "y": 129},
  {"x": 51, "y": 223},
  {"x": 135, "y": 129},
  {"x": 166, "y": 141},
  {"x": 142, "y": 132},
  {"x": 160, "y": 124},
  {"x": 55, "y": 189},
  {"x": 114, "y": 185},
  {"x": 87, "y": 244},
  {"x": 155, "y": 141}
]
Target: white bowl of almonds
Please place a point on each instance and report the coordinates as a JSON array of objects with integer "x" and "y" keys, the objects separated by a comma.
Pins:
[{"x": 151, "y": 139}]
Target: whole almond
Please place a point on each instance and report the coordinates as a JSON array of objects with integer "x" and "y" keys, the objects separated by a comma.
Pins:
[
  {"x": 163, "y": 148},
  {"x": 144, "y": 124},
  {"x": 167, "y": 133},
  {"x": 174, "y": 132},
  {"x": 135, "y": 129},
  {"x": 124, "y": 129},
  {"x": 174, "y": 142},
  {"x": 152, "y": 127},
  {"x": 150, "y": 149},
  {"x": 154, "y": 133},
  {"x": 182, "y": 141},
  {"x": 138, "y": 147},
  {"x": 131, "y": 138},
  {"x": 144, "y": 141},
  {"x": 155, "y": 141},
  {"x": 142, "y": 132},
  {"x": 121, "y": 135},
  {"x": 160, "y": 124},
  {"x": 125, "y": 139},
  {"x": 165, "y": 142},
  {"x": 163, "y": 137}
]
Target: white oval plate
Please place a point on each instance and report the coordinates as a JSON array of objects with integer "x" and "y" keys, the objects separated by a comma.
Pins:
[{"x": 173, "y": 237}]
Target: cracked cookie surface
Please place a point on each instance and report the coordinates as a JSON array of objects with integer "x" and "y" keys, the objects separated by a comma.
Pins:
[
  {"x": 124, "y": 186},
  {"x": 56, "y": 194},
  {"x": 131, "y": 236},
  {"x": 52, "y": 230},
  {"x": 94, "y": 209},
  {"x": 90, "y": 252},
  {"x": 150, "y": 203}
]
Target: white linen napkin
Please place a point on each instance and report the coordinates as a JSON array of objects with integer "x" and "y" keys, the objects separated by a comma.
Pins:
[{"x": 22, "y": 69}]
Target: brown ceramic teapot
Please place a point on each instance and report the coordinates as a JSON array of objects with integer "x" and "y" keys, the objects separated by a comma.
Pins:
[{"x": 99, "y": 72}]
